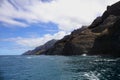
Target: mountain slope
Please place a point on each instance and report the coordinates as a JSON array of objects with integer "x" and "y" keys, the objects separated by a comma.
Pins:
[
  {"x": 102, "y": 37},
  {"x": 41, "y": 49}
]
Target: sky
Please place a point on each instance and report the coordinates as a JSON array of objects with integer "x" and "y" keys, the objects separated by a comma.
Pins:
[{"x": 26, "y": 24}]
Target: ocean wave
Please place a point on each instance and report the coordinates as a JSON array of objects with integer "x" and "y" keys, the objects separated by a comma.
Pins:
[{"x": 92, "y": 75}]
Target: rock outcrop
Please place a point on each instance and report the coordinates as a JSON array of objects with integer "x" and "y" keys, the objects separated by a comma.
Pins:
[
  {"x": 41, "y": 49},
  {"x": 102, "y": 37}
]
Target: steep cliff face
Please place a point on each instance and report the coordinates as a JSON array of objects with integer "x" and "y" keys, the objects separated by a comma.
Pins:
[
  {"x": 41, "y": 49},
  {"x": 80, "y": 41},
  {"x": 102, "y": 37},
  {"x": 108, "y": 43}
]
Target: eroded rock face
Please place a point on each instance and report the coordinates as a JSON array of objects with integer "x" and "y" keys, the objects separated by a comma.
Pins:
[
  {"x": 96, "y": 22},
  {"x": 102, "y": 37},
  {"x": 109, "y": 42},
  {"x": 112, "y": 10},
  {"x": 107, "y": 23},
  {"x": 79, "y": 42}
]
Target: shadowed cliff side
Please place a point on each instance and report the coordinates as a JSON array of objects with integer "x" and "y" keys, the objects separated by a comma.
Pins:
[{"x": 109, "y": 42}]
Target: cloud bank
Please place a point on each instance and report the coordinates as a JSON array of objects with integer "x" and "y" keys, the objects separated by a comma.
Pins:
[
  {"x": 68, "y": 14},
  {"x": 35, "y": 41}
]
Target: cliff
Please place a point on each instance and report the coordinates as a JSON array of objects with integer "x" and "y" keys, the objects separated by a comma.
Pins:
[
  {"x": 102, "y": 37},
  {"x": 41, "y": 49}
]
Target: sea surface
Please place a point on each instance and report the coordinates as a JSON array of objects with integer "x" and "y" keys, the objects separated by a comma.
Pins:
[{"x": 59, "y": 68}]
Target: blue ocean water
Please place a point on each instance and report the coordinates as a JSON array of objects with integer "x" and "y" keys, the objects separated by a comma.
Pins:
[{"x": 59, "y": 68}]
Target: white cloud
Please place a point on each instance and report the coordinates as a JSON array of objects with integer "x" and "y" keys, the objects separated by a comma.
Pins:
[
  {"x": 110, "y": 2},
  {"x": 35, "y": 41},
  {"x": 68, "y": 14},
  {"x": 12, "y": 22}
]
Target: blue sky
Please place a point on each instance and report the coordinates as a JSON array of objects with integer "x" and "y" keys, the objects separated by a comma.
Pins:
[{"x": 26, "y": 24}]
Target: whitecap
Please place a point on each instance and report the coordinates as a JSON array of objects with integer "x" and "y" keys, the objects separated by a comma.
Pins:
[
  {"x": 92, "y": 76},
  {"x": 84, "y": 54},
  {"x": 29, "y": 57},
  {"x": 108, "y": 60}
]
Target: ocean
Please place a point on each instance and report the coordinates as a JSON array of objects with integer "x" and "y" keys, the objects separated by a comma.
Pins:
[{"x": 59, "y": 68}]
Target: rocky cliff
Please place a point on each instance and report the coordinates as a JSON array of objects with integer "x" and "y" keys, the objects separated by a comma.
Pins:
[
  {"x": 102, "y": 37},
  {"x": 41, "y": 49}
]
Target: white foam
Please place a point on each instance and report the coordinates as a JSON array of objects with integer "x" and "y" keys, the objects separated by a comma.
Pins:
[
  {"x": 84, "y": 54},
  {"x": 92, "y": 76},
  {"x": 29, "y": 57},
  {"x": 108, "y": 60}
]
